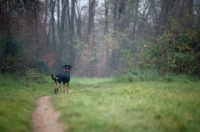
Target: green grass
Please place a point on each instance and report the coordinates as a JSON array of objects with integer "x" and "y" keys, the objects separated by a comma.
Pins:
[
  {"x": 127, "y": 107},
  {"x": 105, "y": 104},
  {"x": 17, "y": 101},
  {"x": 83, "y": 83}
]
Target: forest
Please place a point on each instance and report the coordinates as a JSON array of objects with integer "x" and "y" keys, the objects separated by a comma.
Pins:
[{"x": 100, "y": 38}]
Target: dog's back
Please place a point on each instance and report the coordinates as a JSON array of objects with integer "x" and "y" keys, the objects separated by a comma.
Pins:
[{"x": 58, "y": 78}]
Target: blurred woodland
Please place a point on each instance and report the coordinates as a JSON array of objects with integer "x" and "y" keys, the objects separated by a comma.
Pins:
[{"x": 100, "y": 38}]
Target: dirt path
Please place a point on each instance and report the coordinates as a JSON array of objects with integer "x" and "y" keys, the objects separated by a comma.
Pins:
[{"x": 45, "y": 118}]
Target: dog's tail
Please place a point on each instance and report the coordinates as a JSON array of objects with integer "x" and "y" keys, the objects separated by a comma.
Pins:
[{"x": 53, "y": 77}]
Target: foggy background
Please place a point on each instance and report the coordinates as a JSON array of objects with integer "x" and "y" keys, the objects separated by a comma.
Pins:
[{"x": 99, "y": 38}]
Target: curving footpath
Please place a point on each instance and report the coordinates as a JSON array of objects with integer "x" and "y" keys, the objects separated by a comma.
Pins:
[{"x": 45, "y": 118}]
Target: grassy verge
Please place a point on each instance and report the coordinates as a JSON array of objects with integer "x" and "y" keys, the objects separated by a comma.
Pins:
[
  {"x": 103, "y": 105},
  {"x": 17, "y": 101}
]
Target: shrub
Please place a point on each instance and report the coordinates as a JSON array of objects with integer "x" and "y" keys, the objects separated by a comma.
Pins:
[
  {"x": 175, "y": 51},
  {"x": 10, "y": 47},
  {"x": 135, "y": 75},
  {"x": 39, "y": 65}
]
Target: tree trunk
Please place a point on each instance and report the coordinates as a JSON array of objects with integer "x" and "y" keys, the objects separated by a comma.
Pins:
[
  {"x": 52, "y": 3},
  {"x": 90, "y": 27},
  {"x": 45, "y": 26},
  {"x": 106, "y": 17},
  {"x": 135, "y": 21},
  {"x": 71, "y": 35},
  {"x": 78, "y": 23},
  {"x": 61, "y": 32}
]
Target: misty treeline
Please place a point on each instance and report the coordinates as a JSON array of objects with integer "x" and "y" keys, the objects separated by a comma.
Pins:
[{"x": 101, "y": 37}]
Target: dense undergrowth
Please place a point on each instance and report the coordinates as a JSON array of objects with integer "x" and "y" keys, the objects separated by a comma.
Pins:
[{"x": 137, "y": 75}]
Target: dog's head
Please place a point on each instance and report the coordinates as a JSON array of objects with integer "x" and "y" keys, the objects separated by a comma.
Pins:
[{"x": 67, "y": 67}]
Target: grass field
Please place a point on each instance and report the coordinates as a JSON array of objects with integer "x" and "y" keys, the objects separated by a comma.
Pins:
[
  {"x": 106, "y": 105},
  {"x": 17, "y": 101},
  {"x": 103, "y": 105}
]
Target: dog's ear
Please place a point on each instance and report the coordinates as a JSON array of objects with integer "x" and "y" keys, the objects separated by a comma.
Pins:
[
  {"x": 69, "y": 66},
  {"x": 64, "y": 66}
]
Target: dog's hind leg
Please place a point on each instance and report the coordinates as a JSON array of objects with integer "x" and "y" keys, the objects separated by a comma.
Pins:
[{"x": 57, "y": 87}]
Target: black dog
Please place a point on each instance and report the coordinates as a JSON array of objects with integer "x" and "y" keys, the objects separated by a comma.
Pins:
[{"x": 62, "y": 78}]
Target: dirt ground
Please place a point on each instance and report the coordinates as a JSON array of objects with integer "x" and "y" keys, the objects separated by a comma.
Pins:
[{"x": 45, "y": 118}]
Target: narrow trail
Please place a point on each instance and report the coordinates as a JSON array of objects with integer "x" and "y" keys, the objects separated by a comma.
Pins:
[{"x": 45, "y": 118}]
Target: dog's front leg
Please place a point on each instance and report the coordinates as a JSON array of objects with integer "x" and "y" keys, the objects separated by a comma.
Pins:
[
  {"x": 67, "y": 87},
  {"x": 63, "y": 87}
]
